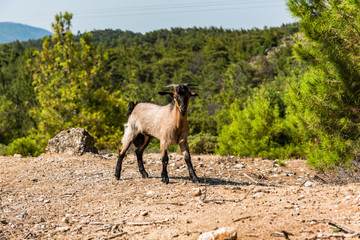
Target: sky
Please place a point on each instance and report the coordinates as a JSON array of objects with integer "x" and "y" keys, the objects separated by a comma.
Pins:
[{"x": 144, "y": 16}]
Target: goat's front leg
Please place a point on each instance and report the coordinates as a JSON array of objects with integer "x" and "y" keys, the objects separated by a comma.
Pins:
[
  {"x": 165, "y": 160},
  {"x": 186, "y": 153}
]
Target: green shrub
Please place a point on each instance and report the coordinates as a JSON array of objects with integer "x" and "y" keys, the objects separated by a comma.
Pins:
[
  {"x": 202, "y": 143},
  {"x": 3, "y": 149},
  {"x": 329, "y": 152},
  {"x": 259, "y": 129},
  {"x": 25, "y": 146}
]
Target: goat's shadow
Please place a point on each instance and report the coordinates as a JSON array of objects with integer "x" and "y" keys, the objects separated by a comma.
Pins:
[{"x": 209, "y": 181}]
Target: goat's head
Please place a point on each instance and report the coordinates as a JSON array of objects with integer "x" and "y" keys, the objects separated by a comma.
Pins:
[{"x": 181, "y": 95}]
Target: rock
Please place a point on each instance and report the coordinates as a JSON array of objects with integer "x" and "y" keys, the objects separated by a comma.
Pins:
[
  {"x": 144, "y": 213},
  {"x": 196, "y": 192},
  {"x": 63, "y": 229},
  {"x": 21, "y": 216},
  {"x": 150, "y": 192},
  {"x": 258, "y": 194},
  {"x": 301, "y": 197},
  {"x": 75, "y": 141},
  {"x": 17, "y": 155},
  {"x": 348, "y": 197},
  {"x": 309, "y": 184},
  {"x": 239, "y": 166},
  {"x": 225, "y": 233},
  {"x": 65, "y": 219}
]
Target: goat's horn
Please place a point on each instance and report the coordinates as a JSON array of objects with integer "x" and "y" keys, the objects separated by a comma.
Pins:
[
  {"x": 172, "y": 85},
  {"x": 190, "y": 84}
]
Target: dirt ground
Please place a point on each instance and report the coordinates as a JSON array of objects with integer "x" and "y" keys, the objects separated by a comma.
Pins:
[{"x": 78, "y": 197}]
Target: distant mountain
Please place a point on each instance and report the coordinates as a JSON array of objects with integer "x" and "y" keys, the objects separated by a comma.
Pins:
[{"x": 10, "y": 32}]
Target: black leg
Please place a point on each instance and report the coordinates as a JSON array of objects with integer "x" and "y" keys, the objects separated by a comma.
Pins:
[
  {"x": 139, "y": 155},
  {"x": 192, "y": 173},
  {"x": 118, "y": 165},
  {"x": 186, "y": 153},
  {"x": 164, "y": 174},
  {"x": 121, "y": 156}
]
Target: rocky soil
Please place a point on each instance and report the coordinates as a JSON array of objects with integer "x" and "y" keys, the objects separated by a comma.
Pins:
[{"x": 77, "y": 197}]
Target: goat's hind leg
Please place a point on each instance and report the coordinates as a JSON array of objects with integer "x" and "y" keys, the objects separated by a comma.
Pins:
[{"x": 141, "y": 142}]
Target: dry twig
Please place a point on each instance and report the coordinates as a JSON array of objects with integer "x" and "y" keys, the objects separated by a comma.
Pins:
[
  {"x": 146, "y": 223},
  {"x": 348, "y": 232},
  {"x": 260, "y": 183},
  {"x": 242, "y": 218},
  {"x": 117, "y": 235}
]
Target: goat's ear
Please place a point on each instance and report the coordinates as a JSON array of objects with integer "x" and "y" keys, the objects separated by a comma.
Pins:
[
  {"x": 164, "y": 93},
  {"x": 192, "y": 94}
]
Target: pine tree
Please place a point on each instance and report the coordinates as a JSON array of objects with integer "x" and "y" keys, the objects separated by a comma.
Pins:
[
  {"x": 326, "y": 100},
  {"x": 68, "y": 79}
]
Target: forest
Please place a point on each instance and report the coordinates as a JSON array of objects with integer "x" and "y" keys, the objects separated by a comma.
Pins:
[{"x": 279, "y": 92}]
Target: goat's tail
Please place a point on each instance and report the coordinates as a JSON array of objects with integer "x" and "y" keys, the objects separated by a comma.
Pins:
[{"x": 131, "y": 108}]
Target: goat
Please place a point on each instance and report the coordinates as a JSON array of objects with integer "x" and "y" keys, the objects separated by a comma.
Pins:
[{"x": 168, "y": 123}]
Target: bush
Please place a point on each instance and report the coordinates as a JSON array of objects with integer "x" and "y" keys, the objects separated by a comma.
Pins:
[
  {"x": 3, "y": 149},
  {"x": 202, "y": 143},
  {"x": 258, "y": 130},
  {"x": 25, "y": 146}
]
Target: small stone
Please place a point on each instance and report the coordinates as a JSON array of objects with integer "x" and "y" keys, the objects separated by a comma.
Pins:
[
  {"x": 63, "y": 229},
  {"x": 150, "y": 192},
  {"x": 348, "y": 197},
  {"x": 13, "y": 225},
  {"x": 21, "y": 216},
  {"x": 113, "y": 228},
  {"x": 47, "y": 201},
  {"x": 239, "y": 166},
  {"x": 65, "y": 219},
  {"x": 309, "y": 184},
  {"x": 226, "y": 233},
  {"x": 3, "y": 221},
  {"x": 196, "y": 192},
  {"x": 258, "y": 194},
  {"x": 17, "y": 155},
  {"x": 144, "y": 213},
  {"x": 301, "y": 197}
]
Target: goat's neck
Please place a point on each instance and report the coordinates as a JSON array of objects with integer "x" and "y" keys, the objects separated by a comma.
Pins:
[{"x": 179, "y": 120}]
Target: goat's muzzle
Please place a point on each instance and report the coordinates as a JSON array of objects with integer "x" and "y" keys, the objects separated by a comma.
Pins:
[{"x": 183, "y": 110}]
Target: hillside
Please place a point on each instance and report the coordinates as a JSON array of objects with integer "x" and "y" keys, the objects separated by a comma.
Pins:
[{"x": 10, "y": 32}]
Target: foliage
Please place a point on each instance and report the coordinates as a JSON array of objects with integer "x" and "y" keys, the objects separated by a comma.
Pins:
[
  {"x": 257, "y": 129},
  {"x": 325, "y": 101},
  {"x": 202, "y": 143},
  {"x": 86, "y": 80},
  {"x": 25, "y": 146},
  {"x": 3, "y": 149},
  {"x": 67, "y": 78}
]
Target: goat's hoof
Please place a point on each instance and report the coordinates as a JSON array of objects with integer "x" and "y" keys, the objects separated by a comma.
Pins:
[
  {"x": 195, "y": 180},
  {"x": 117, "y": 177},
  {"x": 165, "y": 180},
  {"x": 144, "y": 174}
]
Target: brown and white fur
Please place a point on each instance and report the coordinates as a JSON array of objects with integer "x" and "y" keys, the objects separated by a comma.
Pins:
[{"x": 167, "y": 123}]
